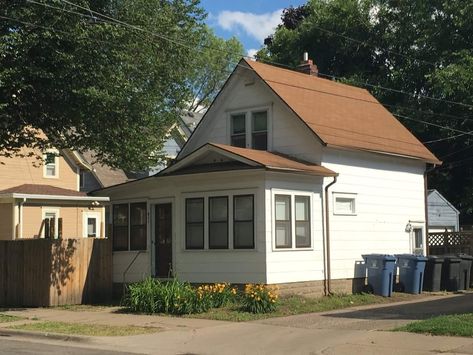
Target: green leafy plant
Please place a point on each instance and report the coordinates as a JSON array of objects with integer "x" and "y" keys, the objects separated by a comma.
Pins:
[
  {"x": 217, "y": 295},
  {"x": 258, "y": 298}
]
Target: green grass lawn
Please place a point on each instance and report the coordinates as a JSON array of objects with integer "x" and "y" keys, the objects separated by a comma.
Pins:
[
  {"x": 6, "y": 318},
  {"x": 298, "y": 305},
  {"x": 84, "y": 329},
  {"x": 455, "y": 325}
]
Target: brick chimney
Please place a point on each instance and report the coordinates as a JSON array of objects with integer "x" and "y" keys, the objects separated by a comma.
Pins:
[{"x": 307, "y": 66}]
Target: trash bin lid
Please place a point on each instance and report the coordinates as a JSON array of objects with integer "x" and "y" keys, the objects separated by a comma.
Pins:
[
  {"x": 465, "y": 256},
  {"x": 435, "y": 258},
  {"x": 386, "y": 257},
  {"x": 411, "y": 257},
  {"x": 452, "y": 258}
]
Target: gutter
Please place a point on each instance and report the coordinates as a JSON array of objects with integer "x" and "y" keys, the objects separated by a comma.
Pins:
[
  {"x": 327, "y": 266},
  {"x": 54, "y": 197}
]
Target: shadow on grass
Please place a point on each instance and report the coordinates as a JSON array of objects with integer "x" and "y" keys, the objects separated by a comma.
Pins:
[{"x": 414, "y": 311}]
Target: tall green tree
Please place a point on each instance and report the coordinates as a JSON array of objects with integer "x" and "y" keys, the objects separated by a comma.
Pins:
[
  {"x": 90, "y": 83},
  {"x": 213, "y": 65},
  {"x": 418, "y": 47}
]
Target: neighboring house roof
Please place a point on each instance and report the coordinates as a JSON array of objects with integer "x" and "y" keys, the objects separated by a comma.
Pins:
[
  {"x": 189, "y": 120},
  {"x": 34, "y": 189},
  {"x": 341, "y": 115},
  {"x": 434, "y": 191},
  {"x": 105, "y": 175},
  {"x": 256, "y": 158},
  {"x": 47, "y": 192}
]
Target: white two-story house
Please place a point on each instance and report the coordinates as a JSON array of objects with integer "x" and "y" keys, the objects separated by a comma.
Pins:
[{"x": 288, "y": 179}]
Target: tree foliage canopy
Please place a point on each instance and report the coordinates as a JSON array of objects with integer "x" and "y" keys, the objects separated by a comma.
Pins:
[
  {"x": 418, "y": 47},
  {"x": 89, "y": 83}
]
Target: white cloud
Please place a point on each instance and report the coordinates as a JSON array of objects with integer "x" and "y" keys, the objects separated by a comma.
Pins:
[
  {"x": 251, "y": 52},
  {"x": 257, "y": 26}
]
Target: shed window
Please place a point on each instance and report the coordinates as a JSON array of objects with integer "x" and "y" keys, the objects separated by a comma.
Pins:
[
  {"x": 283, "y": 221},
  {"x": 344, "y": 204},
  {"x": 218, "y": 222},
  {"x": 195, "y": 223},
  {"x": 120, "y": 227}
]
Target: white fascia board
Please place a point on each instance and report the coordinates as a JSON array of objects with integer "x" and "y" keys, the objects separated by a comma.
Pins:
[{"x": 55, "y": 197}]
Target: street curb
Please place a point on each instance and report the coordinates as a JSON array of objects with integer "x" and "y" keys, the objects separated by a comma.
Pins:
[{"x": 41, "y": 335}]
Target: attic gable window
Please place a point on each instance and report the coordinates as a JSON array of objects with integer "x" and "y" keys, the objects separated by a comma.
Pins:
[
  {"x": 249, "y": 129},
  {"x": 50, "y": 165}
]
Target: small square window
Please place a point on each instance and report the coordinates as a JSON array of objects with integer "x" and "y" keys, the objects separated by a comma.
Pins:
[{"x": 344, "y": 204}]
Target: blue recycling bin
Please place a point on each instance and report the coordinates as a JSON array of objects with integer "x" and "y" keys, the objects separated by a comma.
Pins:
[
  {"x": 380, "y": 269},
  {"x": 411, "y": 272}
]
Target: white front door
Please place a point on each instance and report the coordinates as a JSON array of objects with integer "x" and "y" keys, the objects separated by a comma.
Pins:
[{"x": 92, "y": 225}]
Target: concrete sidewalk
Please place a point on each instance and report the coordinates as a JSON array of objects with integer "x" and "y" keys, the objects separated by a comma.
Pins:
[{"x": 345, "y": 331}]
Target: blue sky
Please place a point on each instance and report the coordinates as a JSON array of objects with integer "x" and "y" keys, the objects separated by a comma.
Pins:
[{"x": 248, "y": 20}]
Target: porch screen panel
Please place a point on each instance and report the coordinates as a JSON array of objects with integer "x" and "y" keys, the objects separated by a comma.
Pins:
[
  {"x": 243, "y": 222},
  {"x": 194, "y": 223},
  {"x": 283, "y": 221},
  {"x": 138, "y": 226},
  {"x": 218, "y": 222},
  {"x": 120, "y": 227}
]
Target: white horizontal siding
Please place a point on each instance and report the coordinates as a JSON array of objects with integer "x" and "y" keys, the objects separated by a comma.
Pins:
[
  {"x": 139, "y": 270},
  {"x": 389, "y": 193}
]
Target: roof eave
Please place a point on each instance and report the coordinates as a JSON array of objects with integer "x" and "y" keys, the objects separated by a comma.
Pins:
[{"x": 54, "y": 197}]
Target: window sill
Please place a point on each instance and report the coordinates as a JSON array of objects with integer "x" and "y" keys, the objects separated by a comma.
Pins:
[
  {"x": 292, "y": 249},
  {"x": 345, "y": 214},
  {"x": 218, "y": 250},
  {"x": 51, "y": 177}
]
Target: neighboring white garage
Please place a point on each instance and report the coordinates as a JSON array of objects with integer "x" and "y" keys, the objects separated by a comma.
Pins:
[{"x": 442, "y": 214}]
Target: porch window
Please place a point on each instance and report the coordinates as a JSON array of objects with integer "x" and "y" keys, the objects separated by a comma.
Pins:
[
  {"x": 243, "y": 222},
  {"x": 138, "y": 226},
  {"x": 283, "y": 221},
  {"x": 302, "y": 206},
  {"x": 259, "y": 130},
  {"x": 194, "y": 223},
  {"x": 218, "y": 222},
  {"x": 238, "y": 130},
  {"x": 120, "y": 227}
]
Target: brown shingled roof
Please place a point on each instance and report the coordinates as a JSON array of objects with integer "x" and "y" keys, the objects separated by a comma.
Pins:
[
  {"x": 342, "y": 115},
  {"x": 32, "y": 189},
  {"x": 106, "y": 175},
  {"x": 276, "y": 161}
]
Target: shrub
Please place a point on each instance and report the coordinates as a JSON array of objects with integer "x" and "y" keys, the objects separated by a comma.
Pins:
[
  {"x": 172, "y": 297},
  {"x": 259, "y": 298},
  {"x": 217, "y": 295}
]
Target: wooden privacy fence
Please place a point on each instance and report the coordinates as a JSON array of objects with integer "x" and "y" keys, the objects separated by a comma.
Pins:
[
  {"x": 45, "y": 272},
  {"x": 450, "y": 243}
]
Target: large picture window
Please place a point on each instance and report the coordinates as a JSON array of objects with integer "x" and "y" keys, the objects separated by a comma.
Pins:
[
  {"x": 243, "y": 222},
  {"x": 195, "y": 223},
  {"x": 120, "y": 227},
  {"x": 218, "y": 222}
]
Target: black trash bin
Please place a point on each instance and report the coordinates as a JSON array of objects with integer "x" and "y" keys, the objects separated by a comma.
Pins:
[
  {"x": 380, "y": 269},
  {"x": 450, "y": 273},
  {"x": 465, "y": 271},
  {"x": 433, "y": 273}
]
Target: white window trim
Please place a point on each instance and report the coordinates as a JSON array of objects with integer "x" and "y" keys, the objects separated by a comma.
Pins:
[
  {"x": 412, "y": 246},
  {"x": 247, "y": 111},
  {"x": 348, "y": 195},
  {"x": 221, "y": 193},
  {"x": 98, "y": 218},
  {"x": 293, "y": 194},
  {"x": 55, "y": 210},
  {"x": 56, "y": 164}
]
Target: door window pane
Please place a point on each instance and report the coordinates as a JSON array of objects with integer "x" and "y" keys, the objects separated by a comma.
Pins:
[
  {"x": 138, "y": 218},
  {"x": 283, "y": 221},
  {"x": 243, "y": 222},
  {"x": 91, "y": 227},
  {"x": 218, "y": 222},
  {"x": 302, "y": 204},
  {"x": 195, "y": 223},
  {"x": 120, "y": 227}
]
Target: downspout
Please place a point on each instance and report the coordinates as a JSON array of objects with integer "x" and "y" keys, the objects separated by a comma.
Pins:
[{"x": 327, "y": 272}]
